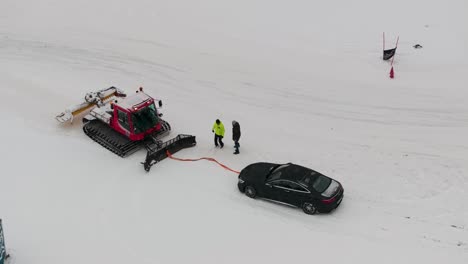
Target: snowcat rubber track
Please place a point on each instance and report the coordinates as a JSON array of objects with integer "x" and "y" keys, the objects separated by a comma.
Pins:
[
  {"x": 158, "y": 152},
  {"x": 117, "y": 143},
  {"x": 110, "y": 139}
]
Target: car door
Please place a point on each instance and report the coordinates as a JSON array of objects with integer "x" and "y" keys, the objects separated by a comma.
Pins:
[
  {"x": 279, "y": 190},
  {"x": 298, "y": 194}
]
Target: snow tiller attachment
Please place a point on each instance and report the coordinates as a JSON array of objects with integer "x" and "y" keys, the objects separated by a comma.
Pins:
[
  {"x": 124, "y": 124},
  {"x": 160, "y": 151}
]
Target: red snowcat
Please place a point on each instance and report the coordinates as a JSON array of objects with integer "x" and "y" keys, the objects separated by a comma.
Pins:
[{"x": 124, "y": 124}]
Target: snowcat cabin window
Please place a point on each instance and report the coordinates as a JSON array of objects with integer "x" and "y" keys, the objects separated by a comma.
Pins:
[
  {"x": 145, "y": 119},
  {"x": 123, "y": 119}
]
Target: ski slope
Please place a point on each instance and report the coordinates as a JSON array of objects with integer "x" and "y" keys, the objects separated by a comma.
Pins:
[{"x": 306, "y": 82}]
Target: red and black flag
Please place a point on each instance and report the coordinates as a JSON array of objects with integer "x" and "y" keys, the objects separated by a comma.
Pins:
[{"x": 389, "y": 53}]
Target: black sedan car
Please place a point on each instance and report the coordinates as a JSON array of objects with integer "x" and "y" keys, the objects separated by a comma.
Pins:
[{"x": 291, "y": 184}]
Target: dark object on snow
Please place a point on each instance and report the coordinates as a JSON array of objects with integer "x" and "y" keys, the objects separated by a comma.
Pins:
[
  {"x": 417, "y": 46},
  {"x": 236, "y": 134},
  {"x": 3, "y": 254},
  {"x": 158, "y": 152},
  {"x": 388, "y": 54},
  {"x": 291, "y": 184}
]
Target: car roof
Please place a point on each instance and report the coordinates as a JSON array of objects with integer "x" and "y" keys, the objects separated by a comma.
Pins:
[{"x": 298, "y": 173}]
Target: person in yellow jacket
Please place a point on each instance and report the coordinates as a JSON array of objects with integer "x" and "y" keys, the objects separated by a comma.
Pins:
[{"x": 218, "y": 130}]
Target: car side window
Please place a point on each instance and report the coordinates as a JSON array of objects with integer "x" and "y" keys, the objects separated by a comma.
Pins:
[
  {"x": 275, "y": 175},
  {"x": 280, "y": 183},
  {"x": 277, "y": 172},
  {"x": 297, "y": 187},
  {"x": 288, "y": 185}
]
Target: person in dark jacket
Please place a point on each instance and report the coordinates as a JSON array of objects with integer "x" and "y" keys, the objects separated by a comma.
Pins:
[
  {"x": 236, "y": 134},
  {"x": 218, "y": 130}
]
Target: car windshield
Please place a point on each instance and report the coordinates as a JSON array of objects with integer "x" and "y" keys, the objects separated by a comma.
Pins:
[
  {"x": 276, "y": 172},
  {"x": 145, "y": 119},
  {"x": 321, "y": 183}
]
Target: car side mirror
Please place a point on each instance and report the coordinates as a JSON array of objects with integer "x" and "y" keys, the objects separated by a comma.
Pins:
[
  {"x": 160, "y": 114},
  {"x": 160, "y": 103}
]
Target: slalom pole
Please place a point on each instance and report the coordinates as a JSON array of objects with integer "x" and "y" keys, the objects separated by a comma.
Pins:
[
  {"x": 396, "y": 46},
  {"x": 383, "y": 41}
]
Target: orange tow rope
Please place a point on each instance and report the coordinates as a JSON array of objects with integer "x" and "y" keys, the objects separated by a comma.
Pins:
[{"x": 204, "y": 158}]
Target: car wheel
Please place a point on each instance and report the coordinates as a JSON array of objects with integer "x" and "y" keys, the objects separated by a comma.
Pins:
[
  {"x": 250, "y": 191},
  {"x": 309, "y": 208}
]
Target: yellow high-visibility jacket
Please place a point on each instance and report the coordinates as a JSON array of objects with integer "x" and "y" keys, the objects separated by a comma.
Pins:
[{"x": 218, "y": 129}]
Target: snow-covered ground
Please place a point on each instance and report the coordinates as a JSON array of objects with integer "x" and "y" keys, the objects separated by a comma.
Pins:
[{"x": 307, "y": 84}]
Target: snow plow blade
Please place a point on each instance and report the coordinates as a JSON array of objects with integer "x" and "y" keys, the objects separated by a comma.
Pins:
[{"x": 158, "y": 152}]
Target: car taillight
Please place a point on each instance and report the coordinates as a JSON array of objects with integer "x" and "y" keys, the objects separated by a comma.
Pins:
[{"x": 329, "y": 201}]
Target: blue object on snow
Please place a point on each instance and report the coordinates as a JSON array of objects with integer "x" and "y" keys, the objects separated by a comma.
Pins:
[{"x": 2, "y": 245}]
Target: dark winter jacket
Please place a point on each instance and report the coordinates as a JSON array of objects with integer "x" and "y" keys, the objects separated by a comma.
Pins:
[{"x": 236, "y": 133}]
